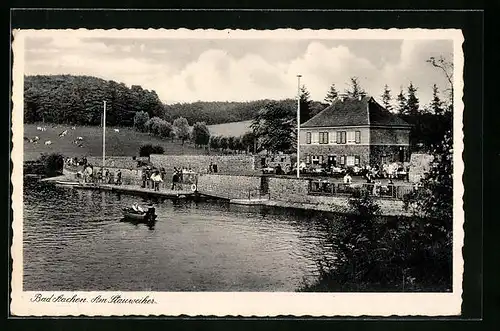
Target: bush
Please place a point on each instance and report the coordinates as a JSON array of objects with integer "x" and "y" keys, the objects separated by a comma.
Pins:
[
  {"x": 148, "y": 149},
  {"x": 53, "y": 163},
  {"x": 363, "y": 204}
]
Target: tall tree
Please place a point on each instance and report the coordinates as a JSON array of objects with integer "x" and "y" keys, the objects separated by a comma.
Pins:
[
  {"x": 446, "y": 67},
  {"x": 305, "y": 104},
  {"x": 140, "y": 120},
  {"x": 331, "y": 95},
  {"x": 387, "y": 98},
  {"x": 275, "y": 126},
  {"x": 355, "y": 90},
  {"x": 181, "y": 127},
  {"x": 436, "y": 103},
  {"x": 402, "y": 103},
  {"x": 412, "y": 101},
  {"x": 201, "y": 135}
]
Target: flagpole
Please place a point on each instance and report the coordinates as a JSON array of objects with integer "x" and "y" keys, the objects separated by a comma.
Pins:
[
  {"x": 298, "y": 125},
  {"x": 104, "y": 137}
]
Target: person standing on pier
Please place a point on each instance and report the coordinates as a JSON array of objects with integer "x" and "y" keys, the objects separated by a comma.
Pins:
[{"x": 156, "y": 179}]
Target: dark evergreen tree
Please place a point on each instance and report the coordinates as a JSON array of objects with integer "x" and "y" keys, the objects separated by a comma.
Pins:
[
  {"x": 436, "y": 103},
  {"x": 355, "y": 90},
  {"x": 412, "y": 101},
  {"x": 402, "y": 103},
  {"x": 331, "y": 95},
  {"x": 387, "y": 98},
  {"x": 305, "y": 104}
]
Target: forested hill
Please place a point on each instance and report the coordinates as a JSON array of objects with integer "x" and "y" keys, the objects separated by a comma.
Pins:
[{"x": 79, "y": 100}]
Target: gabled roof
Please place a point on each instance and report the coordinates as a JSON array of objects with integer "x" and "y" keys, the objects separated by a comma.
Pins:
[{"x": 355, "y": 112}]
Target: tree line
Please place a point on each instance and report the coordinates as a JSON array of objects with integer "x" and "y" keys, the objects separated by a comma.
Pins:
[{"x": 78, "y": 100}]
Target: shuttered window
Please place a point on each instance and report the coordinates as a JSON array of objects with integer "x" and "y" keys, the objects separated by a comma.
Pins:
[
  {"x": 321, "y": 159},
  {"x": 323, "y": 137},
  {"x": 358, "y": 137},
  {"x": 308, "y": 137},
  {"x": 308, "y": 159},
  {"x": 356, "y": 160},
  {"x": 342, "y": 160},
  {"x": 341, "y": 137}
]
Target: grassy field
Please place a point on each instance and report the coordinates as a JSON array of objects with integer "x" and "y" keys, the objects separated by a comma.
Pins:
[
  {"x": 235, "y": 129},
  {"x": 123, "y": 143}
]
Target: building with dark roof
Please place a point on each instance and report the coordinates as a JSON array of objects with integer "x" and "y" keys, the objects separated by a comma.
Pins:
[{"x": 354, "y": 132}]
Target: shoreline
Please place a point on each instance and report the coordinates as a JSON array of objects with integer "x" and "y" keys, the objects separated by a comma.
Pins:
[{"x": 336, "y": 204}]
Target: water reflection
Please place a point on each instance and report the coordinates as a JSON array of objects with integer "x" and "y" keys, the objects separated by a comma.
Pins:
[{"x": 78, "y": 240}]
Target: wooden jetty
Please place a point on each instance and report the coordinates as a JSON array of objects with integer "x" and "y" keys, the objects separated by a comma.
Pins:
[{"x": 134, "y": 190}]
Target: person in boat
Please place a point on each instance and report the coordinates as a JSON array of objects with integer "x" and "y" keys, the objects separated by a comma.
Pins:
[{"x": 137, "y": 208}]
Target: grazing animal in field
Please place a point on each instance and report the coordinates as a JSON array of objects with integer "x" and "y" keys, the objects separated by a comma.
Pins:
[
  {"x": 62, "y": 134},
  {"x": 80, "y": 145},
  {"x": 44, "y": 129},
  {"x": 48, "y": 142},
  {"x": 117, "y": 130},
  {"x": 79, "y": 138},
  {"x": 73, "y": 128},
  {"x": 36, "y": 138},
  {"x": 39, "y": 128}
]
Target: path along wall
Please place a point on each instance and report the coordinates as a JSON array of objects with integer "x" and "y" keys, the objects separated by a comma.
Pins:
[
  {"x": 295, "y": 191},
  {"x": 229, "y": 186},
  {"x": 122, "y": 162},
  {"x": 226, "y": 164}
]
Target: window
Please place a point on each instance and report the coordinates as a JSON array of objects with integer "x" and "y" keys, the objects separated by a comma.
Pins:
[
  {"x": 308, "y": 137},
  {"x": 321, "y": 159},
  {"x": 350, "y": 161},
  {"x": 323, "y": 137},
  {"x": 341, "y": 137},
  {"x": 315, "y": 138},
  {"x": 315, "y": 159},
  {"x": 342, "y": 160},
  {"x": 351, "y": 137},
  {"x": 308, "y": 159},
  {"x": 356, "y": 160},
  {"x": 358, "y": 137}
]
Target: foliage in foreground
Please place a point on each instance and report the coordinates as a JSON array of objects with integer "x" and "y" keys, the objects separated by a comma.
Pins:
[
  {"x": 53, "y": 163},
  {"x": 372, "y": 253}
]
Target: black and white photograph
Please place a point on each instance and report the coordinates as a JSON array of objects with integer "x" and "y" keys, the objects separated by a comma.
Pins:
[{"x": 237, "y": 172}]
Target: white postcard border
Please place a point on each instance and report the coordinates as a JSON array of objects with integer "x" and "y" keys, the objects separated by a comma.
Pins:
[{"x": 242, "y": 303}]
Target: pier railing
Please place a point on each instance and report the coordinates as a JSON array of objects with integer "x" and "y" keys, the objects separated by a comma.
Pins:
[{"x": 390, "y": 191}]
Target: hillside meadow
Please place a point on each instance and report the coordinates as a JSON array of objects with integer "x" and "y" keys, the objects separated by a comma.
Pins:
[{"x": 126, "y": 142}]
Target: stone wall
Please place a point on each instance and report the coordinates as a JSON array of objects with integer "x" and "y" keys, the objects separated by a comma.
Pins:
[
  {"x": 389, "y": 136},
  {"x": 387, "y": 154},
  {"x": 122, "y": 162},
  {"x": 229, "y": 186},
  {"x": 226, "y": 164},
  {"x": 294, "y": 193}
]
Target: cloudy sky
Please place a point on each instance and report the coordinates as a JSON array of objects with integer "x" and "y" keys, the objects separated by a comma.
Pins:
[{"x": 184, "y": 70}]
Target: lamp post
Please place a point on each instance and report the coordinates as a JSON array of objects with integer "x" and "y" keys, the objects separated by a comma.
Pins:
[
  {"x": 104, "y": 138},
  {"x": 298, "y": 125}
]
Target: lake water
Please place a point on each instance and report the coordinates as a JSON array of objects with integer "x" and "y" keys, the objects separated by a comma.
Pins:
[{"x": 76, "y": 240}]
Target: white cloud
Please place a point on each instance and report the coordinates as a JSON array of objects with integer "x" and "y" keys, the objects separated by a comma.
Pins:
[{"x": 217, "y": 75}]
